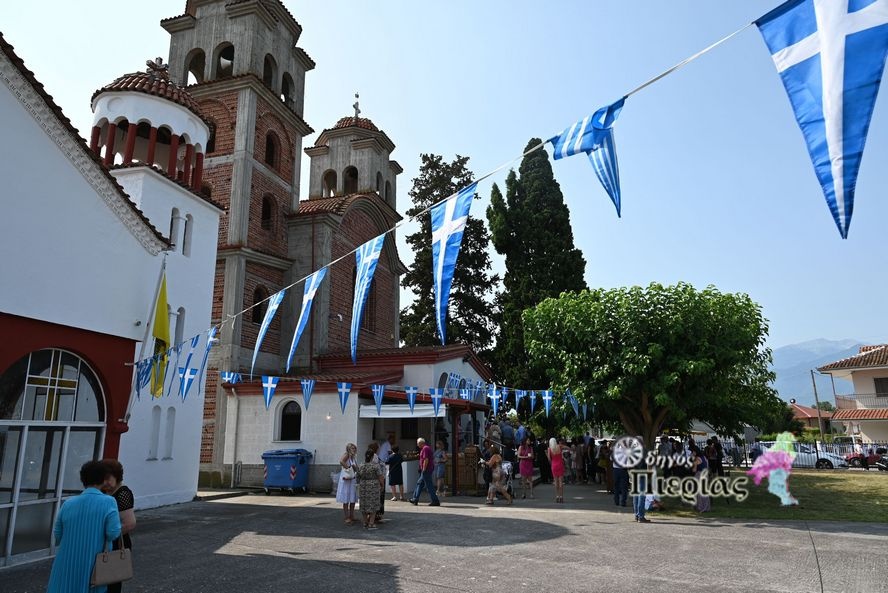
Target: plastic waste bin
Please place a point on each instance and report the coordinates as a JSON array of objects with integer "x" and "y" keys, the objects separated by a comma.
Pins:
[{"x": 286, "y": 469}]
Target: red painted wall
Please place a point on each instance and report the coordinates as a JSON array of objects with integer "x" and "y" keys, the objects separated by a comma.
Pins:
[{"x": 107, "y": 355}]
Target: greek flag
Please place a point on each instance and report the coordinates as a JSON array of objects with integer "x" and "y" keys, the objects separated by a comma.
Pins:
[
  {"x": 448, "y": 224},
  {"x": 211, "y": 339},
  {"x": 229, "y": 377},
  {"x": 594, "y": 135},
  {"x": 585, "y": 410},
  {"x": 480, "y": 388},
  {"x": 464, "y": 394},
  {"x": 182, "y": 387},
  {"x": 143, "y": 375},
  {"x": 830, "y": 55},
  {"x": 573, "y": 402},
  {"x": 366, "y": 258},
  {"x": 344, "y": 390},
  {"x": 178, "y": 349},
  {"x": 494, "y": 397},
  {"x": 411, "y": 392},
  {"x": 311, "y": 288},
  {"x": 378, "y": 394},
  {"x": 269, "y": 384},
  {"x": 504, "y": 394},
  {"x": 547, "y": 401},
  {"x": 308, "y": 386},
  {"x": 273, "y": 303},
  {"x": 437, "y": 395},
  {"x": 533, "y": 400},
  {"x": 187, "y": 376}
]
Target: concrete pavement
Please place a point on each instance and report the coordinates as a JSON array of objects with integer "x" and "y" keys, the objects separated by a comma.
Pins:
[{"x": 281, "y": 543}]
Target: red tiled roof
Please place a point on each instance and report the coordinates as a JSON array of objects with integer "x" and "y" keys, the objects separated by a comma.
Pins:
[
  {"x": 356, "y": 122},
  {"x": 862, "y": 414},
  {"x": 806, "y": 412},
  {"x": 340, "y": 204},
  {"x": 66, "y": 123},
  {"x": 869, "y": 356},
  {"x": 154, "y": 81}
]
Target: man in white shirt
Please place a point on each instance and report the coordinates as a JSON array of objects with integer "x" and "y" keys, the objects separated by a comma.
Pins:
[{"x": 385, "y": 449}]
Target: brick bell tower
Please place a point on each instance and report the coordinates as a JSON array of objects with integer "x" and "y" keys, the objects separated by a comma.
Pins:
[{"x": 242, "y": 66}]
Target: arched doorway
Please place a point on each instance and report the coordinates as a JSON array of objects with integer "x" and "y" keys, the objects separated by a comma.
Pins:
[{"x": 52, "y": 420}]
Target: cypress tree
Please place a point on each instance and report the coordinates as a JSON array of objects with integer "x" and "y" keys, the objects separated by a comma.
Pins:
[
  {"x": 470, "y": 317},
  {"x": 530, "y": 226}
]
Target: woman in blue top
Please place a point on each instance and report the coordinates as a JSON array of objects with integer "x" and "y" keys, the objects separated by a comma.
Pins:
[
  {"x": 440, "y": 467},
  {"x": 85, "y": 525}
]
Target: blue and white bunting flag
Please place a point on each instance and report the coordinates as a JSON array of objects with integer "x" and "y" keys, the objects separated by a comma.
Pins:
[
  {"x": 464, "y": 394},
  {"x": 186, "y": 376},
  {"x": 274, "y": 301},
  {"x": 308, "y": 386},
  {"x": 480, "y": 389},
  {"x": 830, "y": 55},
  {"x": 533, "y": 400},
  {"x": 573, "y": 402},
  {"x": 194, "y": 342},
  {"x": 547, "y": 401},
  {"x": 519, "y": 394},
  {"x": 143, "y": 375},
  {"x": 229, "y": 377},
  {"x": 594, "y": 135},
  {"x": 211, "y": 339},
  {"x": 585, "y": 410},
  {"x": 411, "y": 392},
  {"x": 178, "y": 349},
  {"x": 494, "y": 395},
  {"x": 269, "y": 384},
  {"x": 378, "y": 394},
  {"x": 437, "y": 395},
  {"x": 366, "y": 258},
  {"x": 504, "y": 394},
  {"x": 448, "y": 224},
  {"x": 312, "y": 283},
  {"x": 344, "y": 390}
]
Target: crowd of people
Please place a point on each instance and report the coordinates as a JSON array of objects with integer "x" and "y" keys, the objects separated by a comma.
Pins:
[{"x": 99, "y": 518}]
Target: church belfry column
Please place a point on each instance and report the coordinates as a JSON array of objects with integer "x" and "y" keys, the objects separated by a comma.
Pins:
[
  {"x": 152, "y": 146},
  {"x": 109, "y": 144},
  {"x": 130, "y": 144},
  {"x": 174, "y": 155},
  {"x": 186, "y": 170},
  {"x": 242, "y": 168},
  {"x": 94, "y": 139}
]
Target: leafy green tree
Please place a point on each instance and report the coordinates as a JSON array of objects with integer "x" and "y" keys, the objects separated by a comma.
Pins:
[
  {"x": 825, "y": 406},
  {"x": 530, "y": 226},
  {"x": 781, "y": 419},
  {"x": 469, "y": 320},
  {"x": 658, "y": 357}
]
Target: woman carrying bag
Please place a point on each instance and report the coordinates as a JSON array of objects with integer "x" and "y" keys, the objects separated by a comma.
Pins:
[
  {"x": 346, "y": 491},
  {"x": 114, "y": 487}
]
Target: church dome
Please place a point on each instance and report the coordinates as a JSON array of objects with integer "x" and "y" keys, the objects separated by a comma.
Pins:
[
  {"x": 154, "y": 81},
  {"x": 356, "y": 122}
]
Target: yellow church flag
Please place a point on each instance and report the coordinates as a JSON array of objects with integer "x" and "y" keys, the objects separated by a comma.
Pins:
[{"x": 161, "y": 333}]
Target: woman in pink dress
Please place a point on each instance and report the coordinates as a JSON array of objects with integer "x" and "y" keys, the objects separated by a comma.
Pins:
[
  {"x": 557, "y": 461},
  {"x": 525, "y": 466}
]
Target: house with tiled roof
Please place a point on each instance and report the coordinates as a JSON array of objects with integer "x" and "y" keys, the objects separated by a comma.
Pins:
[
  {"x": 863, "y": 412},
  {"x": 810, "y": 417}
]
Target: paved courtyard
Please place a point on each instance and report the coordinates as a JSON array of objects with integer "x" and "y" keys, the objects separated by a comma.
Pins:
[{"x": 281, "y": 543}]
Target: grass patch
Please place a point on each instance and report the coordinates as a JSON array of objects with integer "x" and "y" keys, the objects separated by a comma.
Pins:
[{"x": 823, "y": 495}]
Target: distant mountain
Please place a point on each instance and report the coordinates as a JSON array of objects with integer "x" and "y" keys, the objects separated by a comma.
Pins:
[{"x": 793, "y": 365}]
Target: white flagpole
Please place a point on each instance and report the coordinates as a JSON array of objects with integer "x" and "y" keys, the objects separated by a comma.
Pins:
[{"x": 149, "y": 327}]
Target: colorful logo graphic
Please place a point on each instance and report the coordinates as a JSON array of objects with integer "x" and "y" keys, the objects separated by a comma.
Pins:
[{"x": 776, "y": 465}]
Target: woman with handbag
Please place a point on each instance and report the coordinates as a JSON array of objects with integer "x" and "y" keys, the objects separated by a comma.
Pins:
[
  {"x": 85, "y": 524},
  {"x": 113, "y": 486},
  {"x": 346, "y": 491},
  {"x": 370, "y": 487}
]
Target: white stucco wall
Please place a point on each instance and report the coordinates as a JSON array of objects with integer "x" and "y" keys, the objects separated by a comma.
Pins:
[
  {"x": 863, "y": 381},
  {"x": 70, "y": 260},
  {"x": 167, "y": 473}
]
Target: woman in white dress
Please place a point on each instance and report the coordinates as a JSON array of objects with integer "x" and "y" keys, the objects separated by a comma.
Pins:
[{"x": 346, "y": 491}]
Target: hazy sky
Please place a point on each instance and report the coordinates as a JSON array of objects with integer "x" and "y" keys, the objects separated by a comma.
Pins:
[{"x": 717, "y": 184}]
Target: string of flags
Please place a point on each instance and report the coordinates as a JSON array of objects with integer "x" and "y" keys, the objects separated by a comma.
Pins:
[
  {"x": 831, "y": 82},
  {"x": 156, "y": 369}
]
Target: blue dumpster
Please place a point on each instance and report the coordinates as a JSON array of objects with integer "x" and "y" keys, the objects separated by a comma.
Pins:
[{"x": 286, "y": 469}]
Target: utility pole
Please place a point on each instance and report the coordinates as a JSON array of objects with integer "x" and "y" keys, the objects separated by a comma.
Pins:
[{"x": 817, "y": 404}]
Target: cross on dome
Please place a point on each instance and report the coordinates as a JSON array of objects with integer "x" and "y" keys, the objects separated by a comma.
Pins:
[
  {"x": 356, "y": 105},
  {"x": 157, "y": 68}
]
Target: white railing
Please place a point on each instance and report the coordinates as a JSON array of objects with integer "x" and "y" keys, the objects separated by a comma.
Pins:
[{"x": 861, "y": 400}]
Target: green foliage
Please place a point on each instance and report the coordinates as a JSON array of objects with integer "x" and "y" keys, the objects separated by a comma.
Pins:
[
  {"x": 530, "y": 226},
  {"x": 470, "y": 317},
  {"x": 825, "y": 406},
  {"x": 781, "y": 419},
  {"x": 658, "y": 357}
]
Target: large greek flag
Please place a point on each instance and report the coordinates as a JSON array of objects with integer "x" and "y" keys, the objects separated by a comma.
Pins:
[
  {"x": 448, "y": 224},
  {"x": 830, "y": 55},
  {"x": 311, "y": 288},
  {"x": 366, "y": 258},
  {"x": 594, "y": 135},
  {"x": 273, "y": 303}
]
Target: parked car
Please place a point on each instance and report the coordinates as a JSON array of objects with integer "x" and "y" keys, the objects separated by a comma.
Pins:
[
  {"x": 808, "y": 456},
  {"x": 857, "y": 450}
]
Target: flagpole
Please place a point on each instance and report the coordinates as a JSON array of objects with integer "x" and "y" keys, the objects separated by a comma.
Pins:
[{"x": 149, "y": 327}]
